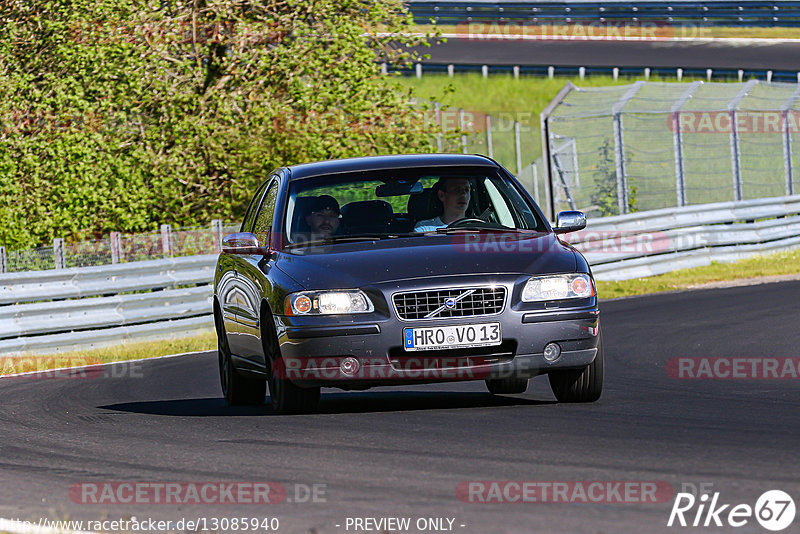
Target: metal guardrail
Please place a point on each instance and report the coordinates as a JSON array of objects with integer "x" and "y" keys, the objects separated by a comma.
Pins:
[
  {"x": 659, "y": 241},
  {"x": 53, "y": 311},
  {"x": 745, "y": 13},
  {"x": 88, "y": 307},
  {"x": 105, "y": 280}
]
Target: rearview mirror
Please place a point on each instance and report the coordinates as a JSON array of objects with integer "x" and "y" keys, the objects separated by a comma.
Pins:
[
  {"x": 569, "y": 221},
  {"x": 241, "y": 243},
  {"x": 398, "y": 188}
]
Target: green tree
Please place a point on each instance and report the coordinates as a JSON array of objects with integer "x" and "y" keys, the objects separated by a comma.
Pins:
[
  {"x": 605, "y": 195},
  {"x": 123, "y": 114}
]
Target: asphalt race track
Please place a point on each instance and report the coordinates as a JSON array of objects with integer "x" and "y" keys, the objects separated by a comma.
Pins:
[
  {"x": 760, "y": 54},
  {"x": 403, "y": 452}
]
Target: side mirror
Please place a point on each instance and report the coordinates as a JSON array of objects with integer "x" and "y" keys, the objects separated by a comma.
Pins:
[
  {"x": 570, "y": 221},
  {"x": 240, "y": 243}
]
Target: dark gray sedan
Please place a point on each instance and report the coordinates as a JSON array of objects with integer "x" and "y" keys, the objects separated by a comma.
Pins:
[{"x": 402, "y": 270}]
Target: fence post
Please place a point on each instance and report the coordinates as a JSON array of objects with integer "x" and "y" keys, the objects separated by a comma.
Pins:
[
  {"x": 216, "y": 229},
  {"x": 116, "y": 247},
  {"x": 787, "y": 154},
  {"x": 489, "y": 145},
  {"x": 3, "y": 263},
  {"x": 677, "y": 140},
  {"x": 786, "y": 108},
  {"x": 544, "y": 124},
  {"x": 58, "y": 253},
  {"x": 536, "y": 183},
  {"x": 438, "y": 115},
  {"x": 619, "y": 157},
  {"x": 166, "y": 239},
  {"x": 736, "y": 162},
  {"x": 463, "y": 131},
  {"x": 518, "y": 148},
  {"x": 619, "y": 146}
]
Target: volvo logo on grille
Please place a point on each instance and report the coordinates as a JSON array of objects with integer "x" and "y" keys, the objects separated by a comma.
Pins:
[{"x": 450, "y": 303}]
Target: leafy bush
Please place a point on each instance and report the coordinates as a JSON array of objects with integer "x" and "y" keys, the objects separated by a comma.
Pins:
[
  {"x": 605, "y": 195},
  {"x": 124, "y": 114}
]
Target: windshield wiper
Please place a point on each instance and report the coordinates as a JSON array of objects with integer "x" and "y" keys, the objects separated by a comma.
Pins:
[
  {"x": 460, "y": 229},
  {"x": 349, "y": 238}
]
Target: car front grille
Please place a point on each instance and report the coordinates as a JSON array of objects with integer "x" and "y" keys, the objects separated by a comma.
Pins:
[{"x": 442, "y": 303}]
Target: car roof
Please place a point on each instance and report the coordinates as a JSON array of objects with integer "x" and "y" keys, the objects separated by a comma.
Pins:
[{"x": 372, "y": 163}]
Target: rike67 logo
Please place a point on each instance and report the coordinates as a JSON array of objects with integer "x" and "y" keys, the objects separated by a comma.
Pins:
[{"x": 774, "y": 510}]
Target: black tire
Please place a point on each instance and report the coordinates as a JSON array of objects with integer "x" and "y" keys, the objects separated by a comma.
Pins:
[
  {"x": 580, "y": 385},
  {"x": 507, "y": 386},
  {"x": 285, "y": 397},
  {"x": 238, "y": 390}
]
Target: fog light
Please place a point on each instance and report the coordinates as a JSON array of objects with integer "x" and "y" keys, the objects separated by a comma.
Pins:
[
  {"x": 552, "y": 352},
  {"x": 349, "y": 366}
]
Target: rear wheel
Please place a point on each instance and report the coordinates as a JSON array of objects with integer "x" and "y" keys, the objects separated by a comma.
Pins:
[
  {"x": 507, "y": 386},
  {"x": 238, "y": 390},
  {"x": 580, "y": 385}
]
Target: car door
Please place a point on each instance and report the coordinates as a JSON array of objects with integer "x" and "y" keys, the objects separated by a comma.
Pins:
[
  {"x": 254, "y": 278},
  {"x": 232, "y": 291}
]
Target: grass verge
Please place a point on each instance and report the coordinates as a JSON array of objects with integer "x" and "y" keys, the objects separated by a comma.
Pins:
[
  {"x": 115, "y": 353},
  {"x": 779, "y": 263},
  {"x": 500, "y": 94}
]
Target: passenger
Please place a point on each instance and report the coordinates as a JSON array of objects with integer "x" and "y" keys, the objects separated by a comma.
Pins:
[
  {"x": 324, "y": 217},
  {"x": 454, "y": 195}
]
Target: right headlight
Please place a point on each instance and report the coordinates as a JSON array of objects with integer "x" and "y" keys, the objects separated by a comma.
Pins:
[
  {"x": 558, "y": 287},
  {"x": 340, "y": 302}
]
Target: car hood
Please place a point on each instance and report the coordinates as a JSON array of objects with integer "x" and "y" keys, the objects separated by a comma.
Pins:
[{"x": 344, "y": 265}]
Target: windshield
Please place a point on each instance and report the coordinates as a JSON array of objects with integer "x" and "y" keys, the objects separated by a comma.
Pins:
[{"x": 405, "y": 202}]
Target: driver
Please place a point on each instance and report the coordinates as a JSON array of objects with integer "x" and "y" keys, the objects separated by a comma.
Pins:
[
  {"x": 454, "y": 195},
  {"x": 324, "y": 217}
]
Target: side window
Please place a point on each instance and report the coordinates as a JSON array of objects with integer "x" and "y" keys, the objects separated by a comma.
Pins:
[
  {"x": 266, "y": 214},
  {"x": 251, "y": 211},
  {"x": 501, "y": 210}
]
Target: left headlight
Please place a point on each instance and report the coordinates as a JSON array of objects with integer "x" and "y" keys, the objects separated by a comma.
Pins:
[
  {"x": 558, "y": 287},
  {"x": 328, "y": 303}
]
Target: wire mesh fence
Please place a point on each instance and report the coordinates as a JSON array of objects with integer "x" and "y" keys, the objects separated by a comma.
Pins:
[
  {"x": 511, "y": 139},
  {"x": 119, "y": 248},
  {"x": 657, "y": 145}
]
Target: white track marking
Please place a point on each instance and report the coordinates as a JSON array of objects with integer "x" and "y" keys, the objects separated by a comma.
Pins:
[{"x": 55, "y": 355}]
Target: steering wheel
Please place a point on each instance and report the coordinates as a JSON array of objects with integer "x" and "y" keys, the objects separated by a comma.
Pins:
[{"x": 465, "y": 221}]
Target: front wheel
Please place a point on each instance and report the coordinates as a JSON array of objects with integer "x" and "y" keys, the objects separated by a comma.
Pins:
[
  {"x": 287, "y": 398},
  {"x": 507, "y": 386},
  {"x": 580, "y": 385},
  {"x": 238, "y": 390}
]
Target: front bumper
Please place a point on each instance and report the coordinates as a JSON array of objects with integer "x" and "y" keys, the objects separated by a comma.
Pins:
[{"x": 313, "y": 349}]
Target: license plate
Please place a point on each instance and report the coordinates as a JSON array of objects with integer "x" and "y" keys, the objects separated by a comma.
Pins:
[{"x": 452, "y": 337}]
